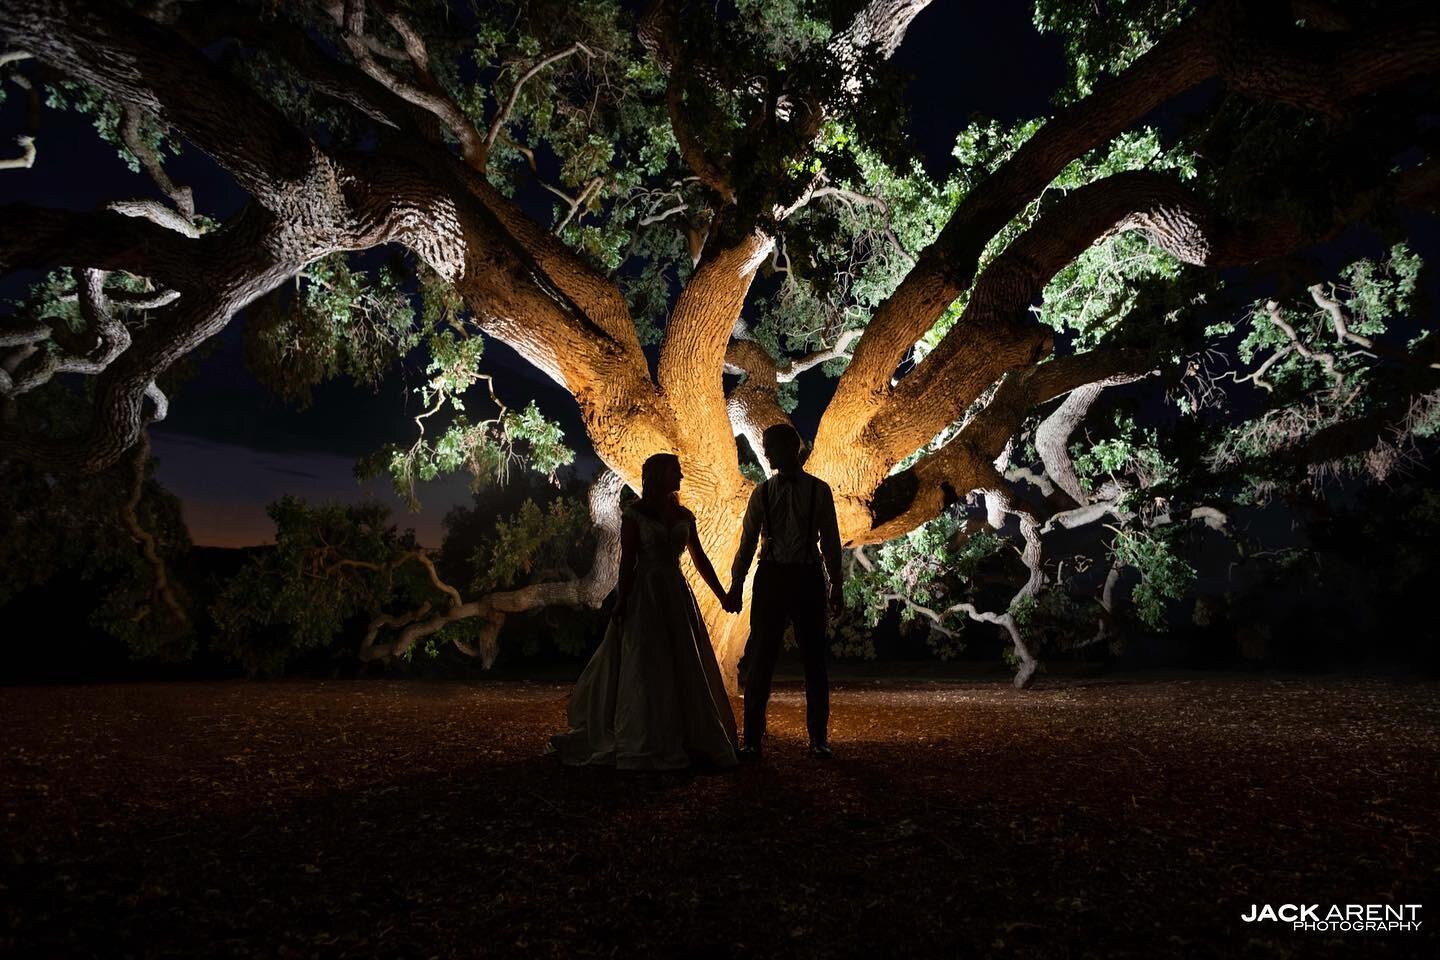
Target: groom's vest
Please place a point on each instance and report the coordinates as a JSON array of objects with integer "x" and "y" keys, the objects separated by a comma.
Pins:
[{"x": 808, "y": 536}]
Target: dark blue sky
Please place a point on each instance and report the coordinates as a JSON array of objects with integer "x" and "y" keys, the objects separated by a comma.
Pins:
[{"x": 229, "y": 447}]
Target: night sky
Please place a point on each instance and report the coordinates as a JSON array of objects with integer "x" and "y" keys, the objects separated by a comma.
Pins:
[{"x": 229, "y": 446}]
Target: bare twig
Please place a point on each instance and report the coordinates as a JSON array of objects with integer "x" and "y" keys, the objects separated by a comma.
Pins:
[
  {"x": 583, "y": 197},
  {"x": 503, "y": 115},
  {"x": 1344, "y": 334},
  {"x": 799, "y": 365},
  {"x": 1327, "y": 360},
  {"x": 427, "y": 94}
]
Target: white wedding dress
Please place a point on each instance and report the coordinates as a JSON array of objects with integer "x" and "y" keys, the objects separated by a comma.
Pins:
[{"x": 651, "y": 698}]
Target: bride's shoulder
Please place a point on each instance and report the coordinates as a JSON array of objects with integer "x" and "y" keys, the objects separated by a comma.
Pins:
[{"x": 637, "y": 513}]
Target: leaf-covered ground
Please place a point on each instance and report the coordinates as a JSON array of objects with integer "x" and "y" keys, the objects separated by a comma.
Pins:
[{"x": 372, "y": 818}]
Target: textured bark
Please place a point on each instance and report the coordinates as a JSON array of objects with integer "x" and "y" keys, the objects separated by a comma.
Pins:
[
  {"x": 755, "y": 404},
  {"x": 992, "y": 337},
  {"x": 881, "y": 23},
  {"x": 943, "y": 270},
  {"x": 692, "y": 357},
  {"x": 138, "y": 62},
  {"x": 182, "y": 197},
  {"x": 1052, "y": 440}
]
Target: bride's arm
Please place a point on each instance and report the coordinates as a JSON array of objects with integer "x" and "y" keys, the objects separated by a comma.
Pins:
[
  {"x": 702, "y": 563},
  {"x": 629, "y": 546}
]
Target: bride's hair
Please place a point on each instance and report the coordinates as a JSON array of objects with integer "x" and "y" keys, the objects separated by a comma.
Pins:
[{"x": 651, "y": 472}]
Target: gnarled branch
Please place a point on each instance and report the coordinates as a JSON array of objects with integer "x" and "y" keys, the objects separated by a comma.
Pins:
[
  {"x": 427, "y": 93},
  {"x": 492, "y": 609}
]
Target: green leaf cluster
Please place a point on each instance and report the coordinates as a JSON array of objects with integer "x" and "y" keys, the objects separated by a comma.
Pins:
[
  {"x": 1163, "y": 575},
  {"x": 933, "y": 565},
  {"x": 1104, "y": 38},
  {"x": 339, "y": 320},
  {"x": 534, "y": 541},
  {"x": 330, "y": 571}
]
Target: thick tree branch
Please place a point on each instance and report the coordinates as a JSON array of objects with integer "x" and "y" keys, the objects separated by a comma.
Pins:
[
  {"x": 1207, "y": 45},
  {"x": 231, "y": 267},
  {"x": 182, "y": 197},
  {"x": 713, "y": 172},
  {"x": 26, "y": 140},
  {"x": 966, "y": 462},
  {"x": 158, "y": 214},
  {"x": 1052, "y": 439},
  {"x": 136, "y": 61},
  {"x": 598, "y": 302},
  {"x": 39, "y": 237},
  {"x": 26, "y": 159},
  {"x": 881, "y": 24},
  {"x": 692, "y": 356},
  {"x": 1178, "y": 62},
  {"x": 994, "y": 333}
]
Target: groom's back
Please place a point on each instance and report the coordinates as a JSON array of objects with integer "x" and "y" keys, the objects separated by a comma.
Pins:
[
  {"x": 792, "y": 507},
  {"x": 790, "y": 512}
]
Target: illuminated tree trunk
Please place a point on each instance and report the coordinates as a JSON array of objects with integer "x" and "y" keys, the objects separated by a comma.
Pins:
[{"x": 719, "y": 524}]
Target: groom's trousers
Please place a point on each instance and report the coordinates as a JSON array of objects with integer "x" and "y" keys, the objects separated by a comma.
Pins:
[{"x": 795, "y": 593}]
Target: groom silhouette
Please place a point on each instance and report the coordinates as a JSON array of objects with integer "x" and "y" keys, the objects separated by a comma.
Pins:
[{"x": 793, "y": 508}]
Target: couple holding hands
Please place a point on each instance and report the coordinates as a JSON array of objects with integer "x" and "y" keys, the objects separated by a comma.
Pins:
[{"x": 652, "y": 698}]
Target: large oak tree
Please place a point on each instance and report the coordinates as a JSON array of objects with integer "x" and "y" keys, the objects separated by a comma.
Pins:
[{"x": 691, "y": 149}]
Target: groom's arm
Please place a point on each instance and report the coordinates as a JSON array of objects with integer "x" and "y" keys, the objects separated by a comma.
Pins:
[
  {"x": 830, "y": 537},
  {"x": 749, "y": 537}
]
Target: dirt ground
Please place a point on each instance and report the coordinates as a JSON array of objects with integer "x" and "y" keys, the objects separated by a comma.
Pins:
[{"x": 1098, "y": 818}]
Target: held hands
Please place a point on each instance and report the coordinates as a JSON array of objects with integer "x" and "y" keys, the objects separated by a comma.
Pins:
[{"x": 730, "y": 602}]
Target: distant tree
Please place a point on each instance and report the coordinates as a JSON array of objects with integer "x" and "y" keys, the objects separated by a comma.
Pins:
[
  {"x": 693, "y": 148},
  {"x": 112, "y": 542},
  {"x": 115, "y": 538},
  {"x": 341, "y": 574}
]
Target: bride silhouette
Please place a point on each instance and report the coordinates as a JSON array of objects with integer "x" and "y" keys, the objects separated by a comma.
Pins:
[{"x": 652, "y": 698}]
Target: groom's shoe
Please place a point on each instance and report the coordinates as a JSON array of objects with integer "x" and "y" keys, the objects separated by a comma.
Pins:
[
  {"x": 749, "y": 753},
  {"x": 820, "y": 750}
]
